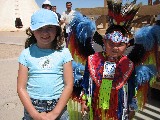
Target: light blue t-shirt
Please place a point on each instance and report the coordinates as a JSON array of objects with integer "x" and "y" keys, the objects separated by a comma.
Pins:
[{"x": 45, "y": 77}]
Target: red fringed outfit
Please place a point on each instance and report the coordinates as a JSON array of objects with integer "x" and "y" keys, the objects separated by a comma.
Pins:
[{"x": 123, "y": 71}]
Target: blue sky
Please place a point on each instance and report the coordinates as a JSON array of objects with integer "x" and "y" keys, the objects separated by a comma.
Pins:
[{"x": 79, "y": 3}]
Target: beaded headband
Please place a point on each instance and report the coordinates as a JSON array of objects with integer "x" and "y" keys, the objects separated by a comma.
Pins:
[{"x": 116, "y": 37}]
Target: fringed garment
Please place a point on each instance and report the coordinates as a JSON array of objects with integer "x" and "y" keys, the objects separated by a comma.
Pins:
[{"x": 107, "y": 87}]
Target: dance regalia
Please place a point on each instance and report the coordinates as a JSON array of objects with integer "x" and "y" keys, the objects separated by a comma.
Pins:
[
  {"x": 107, "y": 87},
  {"x": 111, "y": 93},
  {"x": 147, "y": 65}
]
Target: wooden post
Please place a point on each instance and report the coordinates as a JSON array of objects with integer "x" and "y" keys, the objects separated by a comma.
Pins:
[
  {"x": 105, "y": 16},
  {"x": 105, "y": 3},
  {"x": 149, "y": 2}
]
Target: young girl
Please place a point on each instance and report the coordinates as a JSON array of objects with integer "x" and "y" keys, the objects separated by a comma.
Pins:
[{"x": 45, "y": 79}]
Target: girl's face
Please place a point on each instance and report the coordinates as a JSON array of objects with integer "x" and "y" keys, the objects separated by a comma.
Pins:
[
  {"x": 45, "y": 36},
  {"x": 114, "y": 49}
]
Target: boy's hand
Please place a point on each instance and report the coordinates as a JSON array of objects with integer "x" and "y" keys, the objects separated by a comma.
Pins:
[
  {"x": 131, "y": 115},
  {"x": 84, "y": 108}
]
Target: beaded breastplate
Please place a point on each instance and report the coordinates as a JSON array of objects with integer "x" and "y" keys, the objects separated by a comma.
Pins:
[{"x": 118, "y": 71}]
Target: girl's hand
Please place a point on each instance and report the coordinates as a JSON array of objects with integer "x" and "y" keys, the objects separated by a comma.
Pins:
[
  {"x": 41, "y": 116},
  {"x": 51, "y": 115}
]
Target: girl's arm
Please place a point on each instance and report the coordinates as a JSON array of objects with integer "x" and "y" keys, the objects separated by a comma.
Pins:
[
  {"x": 66, "y": 94},
  {"x": 22, "y": 92}
]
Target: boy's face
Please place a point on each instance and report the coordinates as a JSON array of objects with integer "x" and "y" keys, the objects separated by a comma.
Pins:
[{"x": 114, "y": 49}]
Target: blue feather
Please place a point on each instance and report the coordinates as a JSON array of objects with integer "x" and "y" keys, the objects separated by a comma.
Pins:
[
  {"x": 83, "y": 27},
  {"x": 78, "y": 69},
  {"x": 145, "y": 37},
  {"x": 144, "y": 73},
  {"x": 155, "y": 30}
]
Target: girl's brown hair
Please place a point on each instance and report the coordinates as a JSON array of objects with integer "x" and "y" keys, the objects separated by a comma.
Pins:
[{"x": 56, "y": 44}]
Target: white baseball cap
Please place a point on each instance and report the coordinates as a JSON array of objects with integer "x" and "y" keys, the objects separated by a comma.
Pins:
[{"x": 47, "y": 2}]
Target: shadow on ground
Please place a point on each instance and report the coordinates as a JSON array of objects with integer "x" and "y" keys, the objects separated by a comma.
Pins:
[{"x": 152, "y": 108}]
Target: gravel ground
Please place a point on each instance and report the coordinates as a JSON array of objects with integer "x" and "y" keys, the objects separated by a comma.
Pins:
[{"x": 8, "y": 51}]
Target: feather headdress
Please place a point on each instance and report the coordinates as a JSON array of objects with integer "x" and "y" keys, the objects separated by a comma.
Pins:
[
  {"x": 121, "y": 15},
  {"x": 119, "y": 20}
]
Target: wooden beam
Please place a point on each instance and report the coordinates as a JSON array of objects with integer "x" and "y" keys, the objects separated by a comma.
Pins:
[
  {"x": 141, "y": 19},
  {"x": 143, "y": 10}
]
